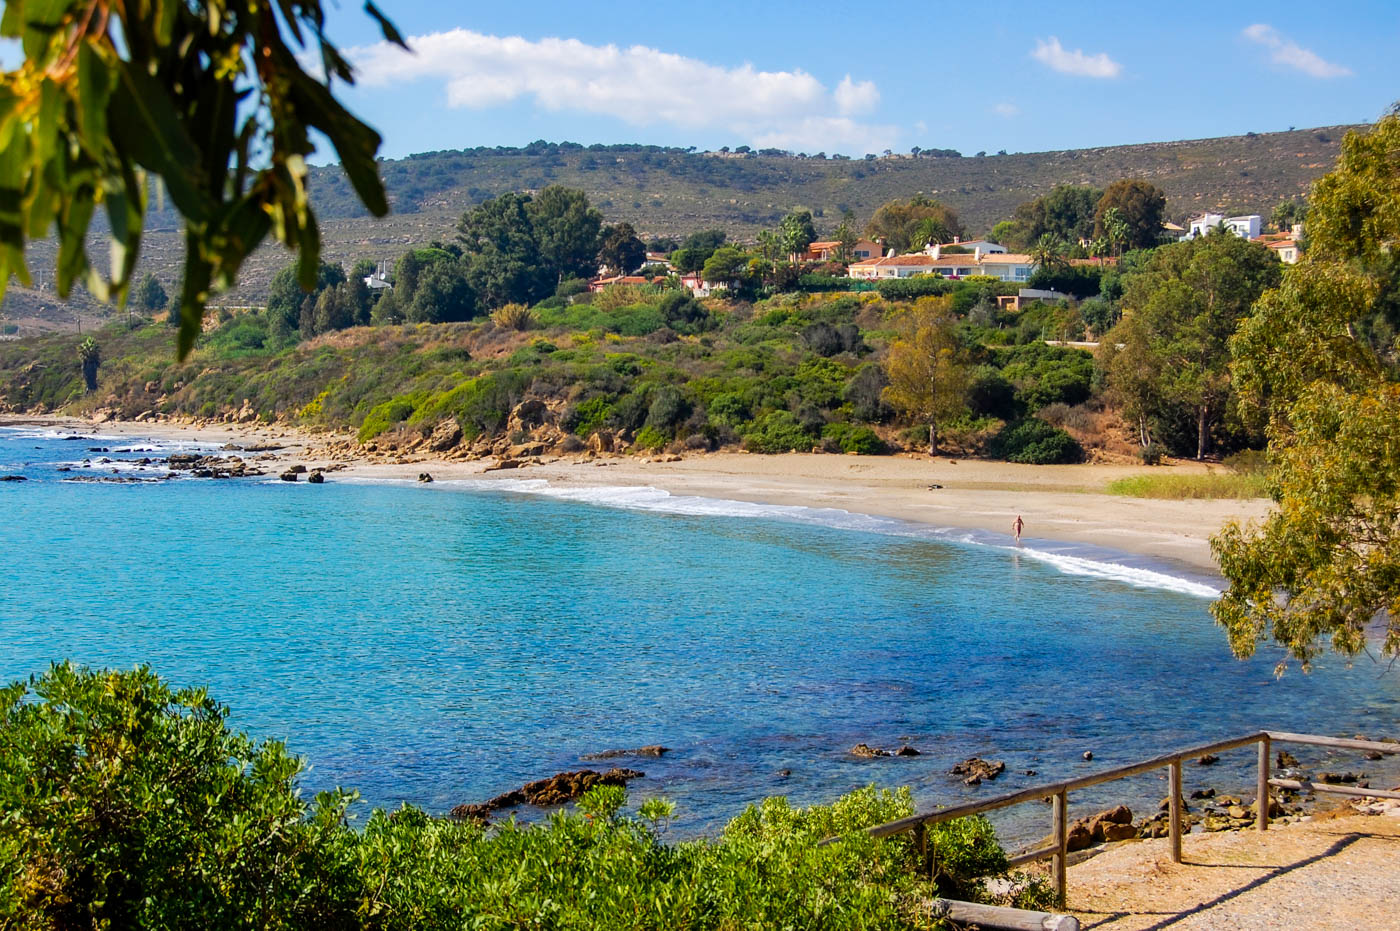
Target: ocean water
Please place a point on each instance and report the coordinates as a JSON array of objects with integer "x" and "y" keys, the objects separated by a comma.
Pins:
[{"x": 442, "y": 644}]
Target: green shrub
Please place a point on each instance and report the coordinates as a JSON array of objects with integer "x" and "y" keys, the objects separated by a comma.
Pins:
[
  {"x": 668, "y": 409},
  {"x": 587, "y": 417},
  {"x": 1034, "y": 442},
  {"x": 126, "y": 804},
  {"x": 389, "y": 414},
  {"x": 650, "y": 438},
  {"x": 853, "y": 438},
  {"x": 777, "y": 432}
]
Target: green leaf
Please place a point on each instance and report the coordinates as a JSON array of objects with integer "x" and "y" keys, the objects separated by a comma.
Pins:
[
  {"x": 94, "y": 89},
  {"x": 147, "y": 125},
  {"x": 391, "y": 32}
]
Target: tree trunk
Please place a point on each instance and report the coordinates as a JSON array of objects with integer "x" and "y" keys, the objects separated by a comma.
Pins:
[
  {"x": 932, "y": 439},
  {"x": 89, "y": 374},
  {"x": 1201, "y": 432}
]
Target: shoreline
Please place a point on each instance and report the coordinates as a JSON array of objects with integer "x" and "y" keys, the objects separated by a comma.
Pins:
[{"x": 1064, "y": 504}]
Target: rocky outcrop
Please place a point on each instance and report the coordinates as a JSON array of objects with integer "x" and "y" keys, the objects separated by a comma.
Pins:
[
  {"x": 556, "y": 790},
  {"x": 527, "y": 415},
  {"x": 445, "y": 436},
  {"x": 975, "y": 770},
  {"x": 211, "y": 466}
]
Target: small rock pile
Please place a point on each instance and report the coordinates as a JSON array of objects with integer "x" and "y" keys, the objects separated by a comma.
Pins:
[
  {"x": 212, "y": 466},
  {"x": 865, "y": 751}
]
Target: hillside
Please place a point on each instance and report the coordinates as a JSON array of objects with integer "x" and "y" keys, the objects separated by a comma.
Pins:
[{"x": 665, "y": 191}]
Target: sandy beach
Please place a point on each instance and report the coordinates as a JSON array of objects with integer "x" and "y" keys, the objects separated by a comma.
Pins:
[{"x": 1066, "y": 504}]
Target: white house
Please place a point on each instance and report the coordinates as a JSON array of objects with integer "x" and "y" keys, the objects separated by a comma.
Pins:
[
  {"x": 986, "y": 245},
  {"x": 1286, "y": 250},
  {"x": 1004, "y": 265},
  {"x": 1243, "y": 227},
  {"x": 378, "y": 280}
]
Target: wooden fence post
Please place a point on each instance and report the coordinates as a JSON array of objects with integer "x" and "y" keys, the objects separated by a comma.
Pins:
[
  {"x": 1261, "y": 796},
  {"x": 1174, "y": 807},
  {"x": 1061, "y": 832},
  {"x": 921, "y": 845}
]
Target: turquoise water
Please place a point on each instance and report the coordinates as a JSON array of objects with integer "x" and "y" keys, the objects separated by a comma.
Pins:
[{"x": 441, "y": 644}]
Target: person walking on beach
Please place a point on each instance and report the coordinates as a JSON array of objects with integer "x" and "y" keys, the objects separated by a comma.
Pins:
[{"x": 1016, "y": 526}]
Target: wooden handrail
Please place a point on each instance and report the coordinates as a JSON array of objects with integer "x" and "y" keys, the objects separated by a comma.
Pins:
[{"x": 1058, "y": 792}]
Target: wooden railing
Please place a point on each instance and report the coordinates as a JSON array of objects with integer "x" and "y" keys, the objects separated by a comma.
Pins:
[{"x": 1058, "y": 793}]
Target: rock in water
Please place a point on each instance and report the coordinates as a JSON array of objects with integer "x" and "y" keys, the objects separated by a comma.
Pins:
[
  {"x": 13, "y": 478},
  {"x": 424, "y": 477},
  {"x": 556, "y": 790},
  {"x": 289, "y": 476},
  {"x": 976, "y": 769},
  {"x": 316, "y": 478},
  {"x": 866, "y": 751},
  {"x": 1287, "y": 760},
  {"x": 1210, "y": 759},
  {"x": 649, "y": 750}
]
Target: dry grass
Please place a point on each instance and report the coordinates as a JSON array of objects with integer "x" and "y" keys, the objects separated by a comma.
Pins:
[{"x": 1197, "y": 485}]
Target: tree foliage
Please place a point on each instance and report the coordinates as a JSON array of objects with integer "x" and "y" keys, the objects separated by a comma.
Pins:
[
  {"x": 1316, "y": 363},
  {"x": 210, "y": 98},
  {"x": 928, "y": 378},
  {"x": 901, "y": 225},
  {"x": 1180, "y": 311},
  {"x": 620, "y": 250},
  {"x": 1140, "y": 205}
]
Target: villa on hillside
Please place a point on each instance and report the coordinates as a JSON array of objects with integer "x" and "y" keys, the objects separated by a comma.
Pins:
[
  {"x": 1004, "y": 265},
  {"x": 1243, "y": 227},
  {"x": 826, "y": 251}
]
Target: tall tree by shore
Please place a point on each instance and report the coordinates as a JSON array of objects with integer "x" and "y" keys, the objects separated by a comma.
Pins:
[{"x": 1317, "y": 361}]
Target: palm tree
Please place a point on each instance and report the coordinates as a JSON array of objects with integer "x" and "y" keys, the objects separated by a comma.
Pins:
[
  {"x": 91, "y": 357},
  {"x": 1116, "y": 231},
  {"x": 1049, "y": 253}
]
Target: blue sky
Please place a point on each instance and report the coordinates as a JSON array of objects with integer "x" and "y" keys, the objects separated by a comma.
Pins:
[
  {"x": 856, "y": 78},
  {"x": 825, "y": 77}
]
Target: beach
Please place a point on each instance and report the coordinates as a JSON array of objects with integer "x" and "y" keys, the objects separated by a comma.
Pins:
[{"x": 1059, "y": 503}]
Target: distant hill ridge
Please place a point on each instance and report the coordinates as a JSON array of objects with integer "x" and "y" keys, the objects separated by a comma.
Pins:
[{"x": 670, "y": 191}]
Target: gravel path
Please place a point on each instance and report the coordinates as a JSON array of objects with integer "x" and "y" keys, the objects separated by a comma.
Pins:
[{"x": 1332, "y": 873}]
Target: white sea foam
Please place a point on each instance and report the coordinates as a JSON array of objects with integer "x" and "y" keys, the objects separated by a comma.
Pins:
[
  {"x": 1131, "y": 575},
  {"x": 648, "y": 498},
  {"x": 29, "y": 433}
]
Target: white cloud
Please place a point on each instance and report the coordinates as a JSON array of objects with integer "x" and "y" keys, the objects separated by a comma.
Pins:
[
  {"x": 1006, "y": 109},
  {"x": 853, "y": 98},
  {"x": 1076, "y": 62},
  {"x": 639, "y": 85},
  {"x": 1290, "y": 54}
]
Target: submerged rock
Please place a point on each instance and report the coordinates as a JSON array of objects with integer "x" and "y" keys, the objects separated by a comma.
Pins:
[
  {"x": 556, "y": 790},
  {"x": 976, "y": 769},
  {"x": 13, "y": 478},
  {"x": 649, "y": 750}
]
